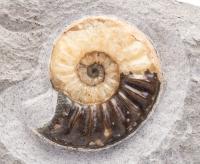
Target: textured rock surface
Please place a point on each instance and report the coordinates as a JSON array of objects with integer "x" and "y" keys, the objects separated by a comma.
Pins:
[{"x": 27, "y": 31}]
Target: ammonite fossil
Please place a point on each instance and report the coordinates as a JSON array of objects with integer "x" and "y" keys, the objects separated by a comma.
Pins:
[{"x": 107, "y": 76}]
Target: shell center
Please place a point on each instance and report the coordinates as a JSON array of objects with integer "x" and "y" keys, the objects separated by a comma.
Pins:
[
  {"x": 94, "y": 70},
  {"x": 95, "y": 67}
]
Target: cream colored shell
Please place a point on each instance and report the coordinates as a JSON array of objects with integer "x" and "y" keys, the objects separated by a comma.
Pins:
[{"x": 124, "y": 44}]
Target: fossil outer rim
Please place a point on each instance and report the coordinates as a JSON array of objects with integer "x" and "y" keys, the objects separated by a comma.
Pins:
[{"x": 58, "y": 132}]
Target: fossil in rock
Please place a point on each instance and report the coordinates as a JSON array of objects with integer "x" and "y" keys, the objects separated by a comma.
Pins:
[{"x": 108, "y": 77}]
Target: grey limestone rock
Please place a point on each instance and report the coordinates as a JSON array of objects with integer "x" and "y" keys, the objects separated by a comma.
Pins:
[{"x": 27, "y": 101}]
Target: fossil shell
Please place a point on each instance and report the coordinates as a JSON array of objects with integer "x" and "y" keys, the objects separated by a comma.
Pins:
[{"x": 108, "y": 76}]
